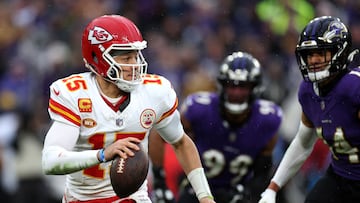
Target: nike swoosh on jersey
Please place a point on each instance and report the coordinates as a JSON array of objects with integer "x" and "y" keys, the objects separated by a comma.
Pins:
[{"x": 57, "y": 92}]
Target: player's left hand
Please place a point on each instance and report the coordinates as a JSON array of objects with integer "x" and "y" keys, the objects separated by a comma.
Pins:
[{"x": 122, "y": 147}]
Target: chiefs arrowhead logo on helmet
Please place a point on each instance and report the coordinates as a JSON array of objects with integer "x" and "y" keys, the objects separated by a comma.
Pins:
[{"x": 99, "y": 35}]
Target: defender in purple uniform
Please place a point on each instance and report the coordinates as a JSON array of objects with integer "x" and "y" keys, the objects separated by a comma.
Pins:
[
  {"x": 330, "y": 100},
  {"x": 235, "y": 132}
]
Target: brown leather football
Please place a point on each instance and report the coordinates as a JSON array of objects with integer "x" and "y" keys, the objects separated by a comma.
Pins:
[{"x": 127, "y": 175}]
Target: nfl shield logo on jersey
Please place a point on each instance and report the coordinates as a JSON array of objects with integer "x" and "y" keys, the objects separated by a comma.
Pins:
[{"x": 119, "y": 122}]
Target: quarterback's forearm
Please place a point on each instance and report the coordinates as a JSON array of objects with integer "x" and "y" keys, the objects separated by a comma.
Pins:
[
  {"x": 58, "y": 161},
  {"x": 187, "y": 154},
  {"x": 298, "y": 151},
  {"x": 57, "y": 157},
  {"x": 188, "y": 157}
]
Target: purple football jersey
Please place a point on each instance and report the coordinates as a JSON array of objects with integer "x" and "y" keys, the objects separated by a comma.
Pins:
[
  {"x": 335, "y": 117},
  {"x": 228, "y": 152}
]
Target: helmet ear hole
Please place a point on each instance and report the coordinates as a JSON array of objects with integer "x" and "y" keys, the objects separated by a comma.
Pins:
[
  {"x": 95, "y": 59},
  {"x": 112, "y": 73}
]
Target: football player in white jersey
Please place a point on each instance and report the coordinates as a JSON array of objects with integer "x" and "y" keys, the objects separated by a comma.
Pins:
[{"x": 105, "y": 112}]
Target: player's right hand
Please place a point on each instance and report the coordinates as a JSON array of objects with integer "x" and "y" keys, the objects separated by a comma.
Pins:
[{"x": 268, "y": 196}]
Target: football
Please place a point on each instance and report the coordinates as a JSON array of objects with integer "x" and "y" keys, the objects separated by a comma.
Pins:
[{"x": 127, "y": 175}]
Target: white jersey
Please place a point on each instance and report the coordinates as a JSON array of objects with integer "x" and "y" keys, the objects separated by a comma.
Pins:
[{"x": 76, "y": 100}]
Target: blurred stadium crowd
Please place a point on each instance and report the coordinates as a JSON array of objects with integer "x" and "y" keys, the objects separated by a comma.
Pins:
[{"x": 187, "y": 40}]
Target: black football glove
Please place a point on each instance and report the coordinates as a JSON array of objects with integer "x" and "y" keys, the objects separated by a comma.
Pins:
[
  {"x": 238, "y": 194},
  {"x": 230, "y": 195},
  {"x": 162, "y": 194}
]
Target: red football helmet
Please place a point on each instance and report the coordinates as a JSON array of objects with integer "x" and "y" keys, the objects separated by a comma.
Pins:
[{"x": 106, "y": 37}]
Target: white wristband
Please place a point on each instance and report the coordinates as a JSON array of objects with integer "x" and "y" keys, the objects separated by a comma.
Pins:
[{"x": 199, "y": 183}]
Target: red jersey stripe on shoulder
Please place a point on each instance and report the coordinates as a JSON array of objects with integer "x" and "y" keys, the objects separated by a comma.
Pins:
[
  {"x": 171, "y": 111},
  {"x": 64, "y": 112}
]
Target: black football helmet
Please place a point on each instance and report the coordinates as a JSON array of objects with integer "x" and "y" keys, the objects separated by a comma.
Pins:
[
  {"x": 323, "y": 34},
  {"x": 239, "y": 69}
]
